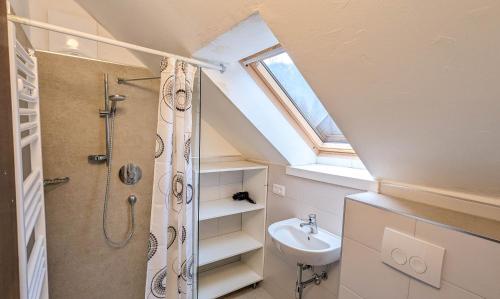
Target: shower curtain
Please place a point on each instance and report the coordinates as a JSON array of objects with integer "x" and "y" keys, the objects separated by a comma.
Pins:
[{"x": 170, "y": 248}]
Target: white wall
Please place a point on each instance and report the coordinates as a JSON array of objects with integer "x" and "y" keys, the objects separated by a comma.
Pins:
[
  {"x": 225, "y": 118},
  {"x": 213, "y": 145},
  {"x": 69, "y": 14}
]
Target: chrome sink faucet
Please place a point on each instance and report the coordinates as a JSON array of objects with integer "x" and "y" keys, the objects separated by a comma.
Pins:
[{"x": 313, "y": 225}]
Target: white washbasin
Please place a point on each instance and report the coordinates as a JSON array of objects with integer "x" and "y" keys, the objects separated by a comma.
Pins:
[{"x": 306, "y": 248}]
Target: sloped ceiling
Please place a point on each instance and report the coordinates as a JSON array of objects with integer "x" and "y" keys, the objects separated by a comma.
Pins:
[{"x": 412, "y": 84}]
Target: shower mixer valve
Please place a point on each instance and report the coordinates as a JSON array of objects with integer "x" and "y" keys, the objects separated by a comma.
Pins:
[{"x": 130, "y": 174}]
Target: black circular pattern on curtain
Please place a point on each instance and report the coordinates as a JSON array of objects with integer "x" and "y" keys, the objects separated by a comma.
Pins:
[
  {"x": 152, "y": 245},
  {"x": 168, "y": 91},
  {"x": 183, "y": 99},
  {"x": 187, "y": 149},
  {"x": 186, "y": 275},
  {"x": 160, "y": 146},
  {"x": 187, "y": 270},
  {"x": 159, "y": 283},
  {"x": 178, "y": 186},
  {"x": 183, "y": 235},
  {"x": 172, "y": 234},
  {"x": 163, "y": 64},
  {"x": 189, "y": 193}
]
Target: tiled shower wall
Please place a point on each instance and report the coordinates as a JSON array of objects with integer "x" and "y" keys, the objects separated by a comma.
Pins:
[
  {"x": 470, "y": 270},
  {"x": 302, "y": 198},
  {"x": 80, "y": 263}
]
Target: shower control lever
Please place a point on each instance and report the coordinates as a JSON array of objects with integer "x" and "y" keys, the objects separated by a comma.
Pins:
[{"x": 97, "y": 158}]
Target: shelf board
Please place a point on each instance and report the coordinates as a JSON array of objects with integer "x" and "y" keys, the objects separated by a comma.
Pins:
[
  {"x": 229, "y": 166},
  {"x": 226, "y": 246},
  {"x": 226, "y": 279},
  {"x": 224, "y": 207}
]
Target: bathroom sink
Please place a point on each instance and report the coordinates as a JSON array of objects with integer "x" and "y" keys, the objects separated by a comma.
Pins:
[{"x": 306, "y": 248}]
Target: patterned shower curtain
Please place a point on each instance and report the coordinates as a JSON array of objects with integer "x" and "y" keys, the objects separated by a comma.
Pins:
[{"x": 170, "y": 249}]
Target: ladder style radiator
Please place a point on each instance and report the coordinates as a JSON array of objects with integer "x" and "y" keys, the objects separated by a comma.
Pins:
[{"x": 30, "y": 204}]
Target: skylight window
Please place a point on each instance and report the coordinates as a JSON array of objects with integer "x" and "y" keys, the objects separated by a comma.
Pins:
[
  {"x": 286, "y": 74},
  {"x": 281, "y": 75}
]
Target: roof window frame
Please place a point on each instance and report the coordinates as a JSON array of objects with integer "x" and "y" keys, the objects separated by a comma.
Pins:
[{"x": 254, "y": 63}]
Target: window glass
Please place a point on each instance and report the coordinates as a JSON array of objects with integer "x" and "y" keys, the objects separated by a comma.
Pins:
[{"x": 286, "y": 74}]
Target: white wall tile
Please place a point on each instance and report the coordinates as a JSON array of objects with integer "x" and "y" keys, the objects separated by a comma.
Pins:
[
  {"x": 208, "y": 228},
  {"x": 363, "y": 271},
  {"x": 313, "y": 292},
  {"x": 229, "y": 224},
  {"x": 321, "y": 195},
  {"x": 231, "y": 177},
  {"x": 279, "y": 208},
  {"x": 302, "y": 197},
  {"x": 345, "y": 293},
  {"x": 209, "y": 179},
  {"x": 209, "y": 193},
  {"x": 419, "y": 290},
  {"x": 328, "y": 221},
  {"x": 271, "y": 286},
  {"x": 469, "y": 262},
  {"x": 279, "y": 276},
  {"x": 366, "y": 224},
  {"x": 230, "y": 189},
  {"x": 332, "y": 283}
]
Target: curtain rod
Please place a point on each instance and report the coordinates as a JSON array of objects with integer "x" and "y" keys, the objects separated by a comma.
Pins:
[{"x": 110, "y": 41}]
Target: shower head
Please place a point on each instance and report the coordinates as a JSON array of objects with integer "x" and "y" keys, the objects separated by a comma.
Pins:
[
  {"x": 117, "y": 98},
  {"x": 114, "y": 98}
]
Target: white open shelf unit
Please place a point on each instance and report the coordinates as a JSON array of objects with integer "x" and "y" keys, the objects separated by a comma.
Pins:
[
  {"x": 224, "y": 207},
  {"x": 226, "y": 279},
  {"x": 231, "y": 261},
  {"x": 229, "y": 166}
]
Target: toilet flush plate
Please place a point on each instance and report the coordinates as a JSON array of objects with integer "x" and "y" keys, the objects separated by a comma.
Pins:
[{"x": 414, "y": 257}]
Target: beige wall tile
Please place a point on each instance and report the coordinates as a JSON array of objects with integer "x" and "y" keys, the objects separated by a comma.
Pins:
[
  {"x": 363, "y": 271},
  {"x": 419, "y": 290},
  {"x": 469, "y": 262},
  {"x": 366, "y": 224}
]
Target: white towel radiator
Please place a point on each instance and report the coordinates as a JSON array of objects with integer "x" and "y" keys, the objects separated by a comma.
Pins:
[{"x": 30, "y": 204}]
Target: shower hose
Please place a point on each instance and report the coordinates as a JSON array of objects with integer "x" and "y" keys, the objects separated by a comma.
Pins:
[{"x": 131, "y": 231}]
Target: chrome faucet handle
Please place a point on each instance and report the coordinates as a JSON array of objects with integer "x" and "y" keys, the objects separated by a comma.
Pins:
[{"x": 312, "y": 217}]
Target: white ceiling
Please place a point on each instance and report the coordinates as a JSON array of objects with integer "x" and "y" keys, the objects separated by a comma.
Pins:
[{"x": 412, "y": 84}]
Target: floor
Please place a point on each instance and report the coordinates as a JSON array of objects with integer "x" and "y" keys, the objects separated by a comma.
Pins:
[{"x": 249, "y": 293}]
